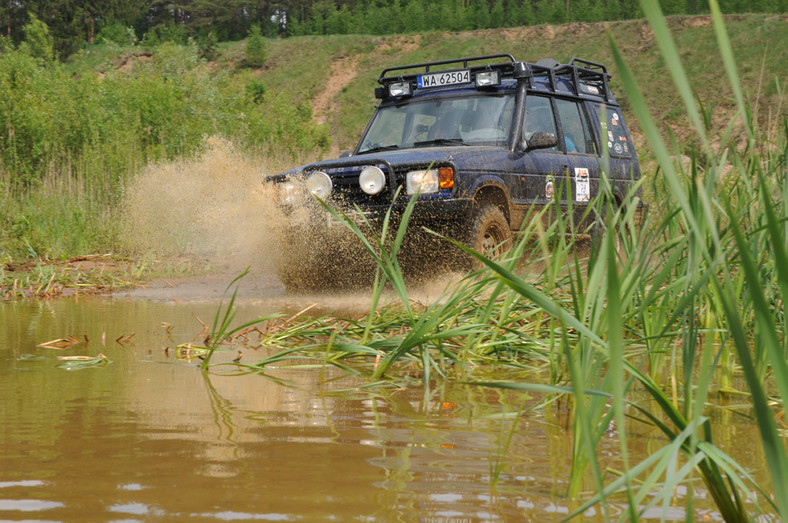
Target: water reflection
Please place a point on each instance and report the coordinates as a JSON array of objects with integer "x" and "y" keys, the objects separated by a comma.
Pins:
[{"x": 150, "y": 437}]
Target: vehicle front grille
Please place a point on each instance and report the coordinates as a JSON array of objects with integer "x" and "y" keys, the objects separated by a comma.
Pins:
[{"x": 348, "y": 191}]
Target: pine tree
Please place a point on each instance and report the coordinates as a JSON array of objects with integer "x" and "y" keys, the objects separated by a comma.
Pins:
[
  {"x": 255, "y": 47},
  {"x": 497, "y": 17},
  {"x": 207, "y": 44}
]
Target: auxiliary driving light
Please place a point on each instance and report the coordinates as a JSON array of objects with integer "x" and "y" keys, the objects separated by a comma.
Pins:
[
  {"x": 288, "y": 192},
  {"x": 372, "y": 180},
  {"x": 399, "y": 89},
  {"x": 319, "y": 184},
  {"x": 488, "y": 79}
]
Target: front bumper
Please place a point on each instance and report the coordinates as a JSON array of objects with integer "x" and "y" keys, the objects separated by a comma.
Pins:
[{"x": 433, "y": 213}]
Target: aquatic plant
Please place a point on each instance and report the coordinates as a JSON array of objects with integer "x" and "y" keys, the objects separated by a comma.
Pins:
[{"x": 222, "y": 328}]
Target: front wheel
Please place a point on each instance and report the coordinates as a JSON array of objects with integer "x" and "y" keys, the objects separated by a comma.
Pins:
[{"x": 490, "y": 233}]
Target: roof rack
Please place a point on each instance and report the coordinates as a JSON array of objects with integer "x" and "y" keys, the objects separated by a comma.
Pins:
[
  {"x": 585, "y": 76},
  {"x": 426, "y": 66}
]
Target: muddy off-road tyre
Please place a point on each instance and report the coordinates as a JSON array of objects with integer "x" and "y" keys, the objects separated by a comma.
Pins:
[{"x": 489, "y": 231}]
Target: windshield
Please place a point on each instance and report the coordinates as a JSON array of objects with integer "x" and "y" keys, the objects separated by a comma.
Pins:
[{"x": 472, "y": 120}]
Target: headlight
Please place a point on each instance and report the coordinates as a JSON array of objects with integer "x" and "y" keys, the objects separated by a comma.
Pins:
[
  {"x": 319, "y": 184},
  {"x": 372, "y": 180},
  {"x": 423, "y": 182},
  {"x": 288, "y": 192}
]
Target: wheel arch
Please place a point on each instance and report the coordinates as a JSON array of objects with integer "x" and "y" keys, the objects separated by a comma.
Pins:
[{"x": 493, "y": 194}]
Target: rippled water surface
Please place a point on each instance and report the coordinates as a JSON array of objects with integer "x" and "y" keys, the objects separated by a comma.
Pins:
[{"x": 149, "y": 437}]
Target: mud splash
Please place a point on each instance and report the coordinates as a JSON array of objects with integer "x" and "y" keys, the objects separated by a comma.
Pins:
[{"x": 214, "y": 205}]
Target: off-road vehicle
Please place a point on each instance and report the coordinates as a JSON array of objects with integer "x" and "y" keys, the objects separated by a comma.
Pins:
[{"x": 478, "y": 141}]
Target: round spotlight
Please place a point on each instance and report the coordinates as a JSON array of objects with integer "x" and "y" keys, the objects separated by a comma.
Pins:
[
  {"x": 319, "y": 184},
  {"x": 372, "y": 180},
  {"x": 288, "y": 192}
]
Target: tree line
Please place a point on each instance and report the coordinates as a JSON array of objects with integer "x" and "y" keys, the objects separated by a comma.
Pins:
[{"x": 75, "y": 23}]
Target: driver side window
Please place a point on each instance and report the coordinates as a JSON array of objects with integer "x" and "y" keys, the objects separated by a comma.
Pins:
[
  {"x": 538, "y": 116},
  {"x": 574, "y": 127}
]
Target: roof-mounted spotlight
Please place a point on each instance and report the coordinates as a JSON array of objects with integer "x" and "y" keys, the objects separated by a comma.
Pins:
[
  {"x": 399, "y": 89},
  {"x": 488, "y": 79}
]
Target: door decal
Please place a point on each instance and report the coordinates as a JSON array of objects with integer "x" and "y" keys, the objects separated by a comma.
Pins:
[{"x": 582, "y": 187}]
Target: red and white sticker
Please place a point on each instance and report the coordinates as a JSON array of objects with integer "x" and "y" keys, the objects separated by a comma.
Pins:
[{"x": 582, "y": 186}]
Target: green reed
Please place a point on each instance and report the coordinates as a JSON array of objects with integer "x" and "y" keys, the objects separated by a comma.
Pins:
[{"x": 674, "y": 309}]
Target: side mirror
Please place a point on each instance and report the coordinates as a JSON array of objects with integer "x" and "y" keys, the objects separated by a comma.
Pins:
[
  {"x": 541, "y": 140},
  {"x": 346, "y": 154}
]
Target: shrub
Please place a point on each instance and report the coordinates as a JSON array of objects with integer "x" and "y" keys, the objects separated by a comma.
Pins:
[
  {"x": 116, "y": 33},
  {"x": 207, "y": 46},
  {"x": 38, "y": 42},
  {"x": 255, "y": 47}
]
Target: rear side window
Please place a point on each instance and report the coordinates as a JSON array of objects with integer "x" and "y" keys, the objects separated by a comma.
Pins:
[
  {"x": 577, "y": 138},
  {"x": 614, "y": 134}
]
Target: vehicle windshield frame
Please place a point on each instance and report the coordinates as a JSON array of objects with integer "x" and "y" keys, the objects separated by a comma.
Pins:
[{"x": 469, "y": 118}]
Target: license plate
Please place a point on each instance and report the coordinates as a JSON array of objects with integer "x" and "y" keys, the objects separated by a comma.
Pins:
[
  {"x": 354, "y": 216},
  {"x": 447, "y": 78}
]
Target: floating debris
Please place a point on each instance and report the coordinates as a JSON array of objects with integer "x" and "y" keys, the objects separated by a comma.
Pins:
[
  {"x": 30, "y": 357},
  {"x": 187, "y": 351},
  {"x": 75, "y": 362},
  {"x": 205, "y": 328},
  {"x": 60, "y": 343},
  {"x": 123, "y": 340}
]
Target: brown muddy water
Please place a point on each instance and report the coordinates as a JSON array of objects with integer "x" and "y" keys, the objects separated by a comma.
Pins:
[{"x": 149, "y": 437}]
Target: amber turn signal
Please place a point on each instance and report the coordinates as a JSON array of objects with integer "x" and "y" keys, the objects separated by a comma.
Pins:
[{"x": 446, "y": 177}]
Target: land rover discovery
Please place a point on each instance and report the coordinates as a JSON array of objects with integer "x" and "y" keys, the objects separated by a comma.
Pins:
[{"x": 478, "y": 141}]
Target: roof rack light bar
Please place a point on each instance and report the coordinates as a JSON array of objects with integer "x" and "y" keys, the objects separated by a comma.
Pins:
[
  {"x": 578, "y": 70},
  {"x": 428, "y": 65}
]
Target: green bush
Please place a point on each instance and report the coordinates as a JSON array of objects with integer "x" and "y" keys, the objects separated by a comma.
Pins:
[
  {"x": 207, "y": 44},
  {"x": 38, "y": 42},
  {"x": 255, "y": 89},
  {"x": 116, "y": 33},
  {"x": 255, "y": 47}
]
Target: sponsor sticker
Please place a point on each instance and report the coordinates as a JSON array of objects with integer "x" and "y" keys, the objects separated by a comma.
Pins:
[
  {"x": 582, "y": 185},
  {"x": 548, "y": 190}
]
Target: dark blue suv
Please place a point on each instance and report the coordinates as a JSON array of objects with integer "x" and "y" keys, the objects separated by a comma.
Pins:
[{"x": 478, "y": 141}]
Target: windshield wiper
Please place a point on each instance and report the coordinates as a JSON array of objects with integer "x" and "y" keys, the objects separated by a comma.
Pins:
[
  {"x": 380, "y": 148},
  {"x": 440, "y": 141}
]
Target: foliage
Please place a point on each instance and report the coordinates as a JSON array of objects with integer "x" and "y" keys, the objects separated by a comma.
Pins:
[
  {"x": 222, "y": 327},
  {"x": 255, "y": 47},
  {"x": 73, "y": 23},
  {"x": 38, "y": 42},
  {"x": 207, "y": 45},
  {"x": 117, "y": 34},
  {"x": 255, "y": 89}
]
